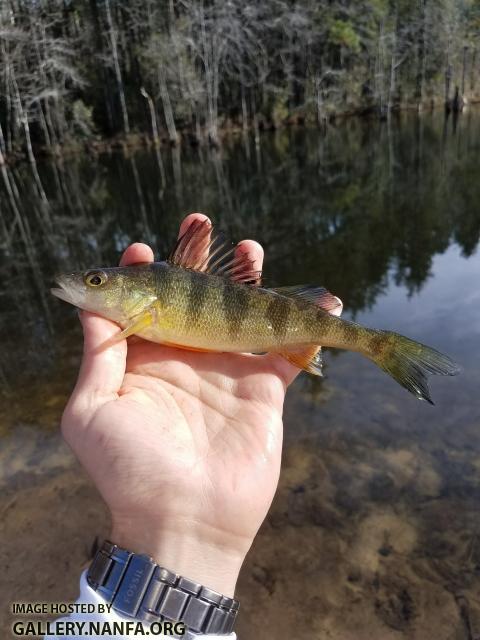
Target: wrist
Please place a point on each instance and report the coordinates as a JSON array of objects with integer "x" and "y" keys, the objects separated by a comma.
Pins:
[
  {"x": 194, "y": 550},
  {"x": 138, "y": 588}
]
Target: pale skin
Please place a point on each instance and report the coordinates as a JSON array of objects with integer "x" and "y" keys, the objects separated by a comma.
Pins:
[{"x": 184, "y": 447}]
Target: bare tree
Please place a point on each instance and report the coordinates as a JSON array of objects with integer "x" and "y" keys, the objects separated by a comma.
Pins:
[
  {"x": 205, "y": 63},
  {"x": 112, "y": 39}
]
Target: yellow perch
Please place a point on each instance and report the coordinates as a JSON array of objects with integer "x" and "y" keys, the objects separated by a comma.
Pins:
[{"x": 206, "y": 298}]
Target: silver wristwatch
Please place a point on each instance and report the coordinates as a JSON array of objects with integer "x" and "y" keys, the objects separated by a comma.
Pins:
[{"x": 137, "y": 587}]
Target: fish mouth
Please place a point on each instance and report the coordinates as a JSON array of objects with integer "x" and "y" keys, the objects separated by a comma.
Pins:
[
  {"x": 60, "y": 293},
  {"x": 69, "y": 291}
]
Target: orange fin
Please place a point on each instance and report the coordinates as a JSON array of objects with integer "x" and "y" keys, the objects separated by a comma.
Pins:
[
  {"x": 306, "y": 358},
  {"x": 200, "y": 249},
  {"x": 311, "y": 293}
]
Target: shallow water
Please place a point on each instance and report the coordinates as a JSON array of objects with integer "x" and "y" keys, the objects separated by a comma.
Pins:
[{"x": 375, "y": 530}]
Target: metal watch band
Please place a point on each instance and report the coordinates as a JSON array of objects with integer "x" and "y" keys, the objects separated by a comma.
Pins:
[{"x": 137, "y": 587}]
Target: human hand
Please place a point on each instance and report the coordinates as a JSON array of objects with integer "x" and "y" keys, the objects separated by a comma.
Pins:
[{"x": 184, "y": 447}]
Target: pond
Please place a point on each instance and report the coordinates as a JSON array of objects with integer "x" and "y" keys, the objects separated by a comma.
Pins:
[{"x": 375, "y": 529}]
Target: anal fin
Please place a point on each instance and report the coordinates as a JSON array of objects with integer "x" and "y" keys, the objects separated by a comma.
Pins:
[{"x": 306, "y": 358}]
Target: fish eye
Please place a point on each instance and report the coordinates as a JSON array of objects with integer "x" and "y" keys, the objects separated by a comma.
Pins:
[{"x": 95, "y": 278}]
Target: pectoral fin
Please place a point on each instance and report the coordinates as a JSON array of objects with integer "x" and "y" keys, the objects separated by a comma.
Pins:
[
  {"x": 143, "y": 321},
  {"x": 139, "y": 323},
  {"x": 307, "y": 358}
]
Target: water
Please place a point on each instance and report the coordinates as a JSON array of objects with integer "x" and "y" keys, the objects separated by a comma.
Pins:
[{"x": 375, "y": 530}]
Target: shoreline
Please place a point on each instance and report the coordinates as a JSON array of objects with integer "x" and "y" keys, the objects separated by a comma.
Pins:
[{"x": 187, "y": 137}]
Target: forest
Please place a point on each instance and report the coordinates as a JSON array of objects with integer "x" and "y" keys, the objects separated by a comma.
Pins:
[{"x": 78, "y": 71}]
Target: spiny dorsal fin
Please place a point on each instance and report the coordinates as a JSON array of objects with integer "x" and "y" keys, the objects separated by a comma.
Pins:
[
  {"x": 306, "y": 358},
  {"x": 313, "y": 294},
  {"x": 201, "y": 249}
]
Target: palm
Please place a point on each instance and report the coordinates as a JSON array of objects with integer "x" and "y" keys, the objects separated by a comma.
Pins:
[{"x": 194, "y": 423}]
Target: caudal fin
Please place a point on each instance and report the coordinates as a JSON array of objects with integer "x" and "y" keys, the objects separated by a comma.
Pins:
[{"x": 410, "y": 362}]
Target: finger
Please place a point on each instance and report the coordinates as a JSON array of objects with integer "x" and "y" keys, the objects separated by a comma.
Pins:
[
  {"x": 288, "y": 371},
  {"x": 338, "y": 310},
  {"x": 195, "y": 248},
  {"x": 255, "y": 253},
  {"x": 136, "y": 252},
  {"x": 187, "y": 221},
  {"x": 102, "y": 370}
]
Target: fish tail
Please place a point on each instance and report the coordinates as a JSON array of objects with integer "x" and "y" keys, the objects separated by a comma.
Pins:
[{"x": 408, "y": 362}]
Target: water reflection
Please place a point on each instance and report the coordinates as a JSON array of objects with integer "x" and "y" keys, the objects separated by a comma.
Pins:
[
  {"x": 357, "y": 209},
  {"x": 384, "y": 488},
  {"x": 347, "y": 209}
]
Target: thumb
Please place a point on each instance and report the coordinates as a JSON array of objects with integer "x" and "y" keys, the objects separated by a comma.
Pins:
[{"x": 102, "y": 370}]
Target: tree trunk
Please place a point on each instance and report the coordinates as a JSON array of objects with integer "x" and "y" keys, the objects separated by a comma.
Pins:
[
  {"x": 167, "y": 105},
  {"x": 421, "y": 56},
  {"x": 448, "y": 76},
  {"x": 153, "y": 117},
  {"x": 472, "y": 70},
  {"x": 105, "y": 79},
  {"x": 155, "y": 135},
  {"x": 464, "y": 68},
  {"x": 28, "y": 140},
  {"x": 244, "y": 109},
  {"x": 393, "y": 62},
  {"x": 3, "y": 149},
  {"x": 116, "y": 65}
]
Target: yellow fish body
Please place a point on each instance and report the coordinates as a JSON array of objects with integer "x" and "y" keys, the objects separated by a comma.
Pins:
[{"x": 204, "y": 299}]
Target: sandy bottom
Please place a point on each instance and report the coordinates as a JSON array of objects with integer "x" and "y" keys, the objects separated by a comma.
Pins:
[{"x": 328, "y": 563}]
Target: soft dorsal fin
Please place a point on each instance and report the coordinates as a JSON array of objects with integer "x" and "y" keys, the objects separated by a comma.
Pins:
[
  {"x": 201, "y": 249},
  {"x": 310, "y": 293}
]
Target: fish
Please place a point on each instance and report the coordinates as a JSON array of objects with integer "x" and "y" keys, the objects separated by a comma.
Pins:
[{"x": 206, "y": 297}]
